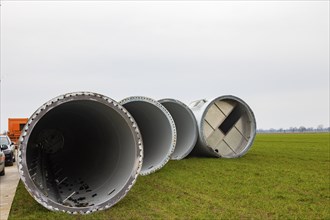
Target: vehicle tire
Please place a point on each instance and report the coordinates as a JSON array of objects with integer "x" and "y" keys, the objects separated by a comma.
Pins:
[
  {"x": 10, "y": 163},
  {"x": 14, "y": 159},
  {"x": 2, "y": 173}
]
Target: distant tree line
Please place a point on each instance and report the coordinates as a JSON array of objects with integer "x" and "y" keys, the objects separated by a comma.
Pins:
[{"x": 301, "y": 129}]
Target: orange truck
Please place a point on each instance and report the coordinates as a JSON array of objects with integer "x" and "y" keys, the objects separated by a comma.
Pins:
[{"x": 15, "y": 126}]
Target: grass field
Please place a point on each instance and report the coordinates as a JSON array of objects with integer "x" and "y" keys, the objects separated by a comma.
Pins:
[{"x": 283, "y": 176}]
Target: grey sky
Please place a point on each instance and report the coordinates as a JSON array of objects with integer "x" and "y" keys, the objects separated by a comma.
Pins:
[{"x": 273, "y": 55}]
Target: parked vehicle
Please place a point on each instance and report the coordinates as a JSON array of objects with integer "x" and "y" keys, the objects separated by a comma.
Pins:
[
  {"x": 2, "y": 163},
  {"x": 8, "y": 148}
]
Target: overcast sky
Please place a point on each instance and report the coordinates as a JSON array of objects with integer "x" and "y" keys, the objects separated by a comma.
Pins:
[{"x": 274, "y": 55}]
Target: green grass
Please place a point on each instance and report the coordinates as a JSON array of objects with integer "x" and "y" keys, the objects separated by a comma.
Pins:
[{"x": 283, "y": 176}]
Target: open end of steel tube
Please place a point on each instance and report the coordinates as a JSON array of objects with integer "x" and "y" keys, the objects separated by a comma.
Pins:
[
  {"x": 79, "y": 153},
  {"x": 157, "y": 129},
  {"x": 228, "y": 126},
  {"x": 186, "y": 127}
]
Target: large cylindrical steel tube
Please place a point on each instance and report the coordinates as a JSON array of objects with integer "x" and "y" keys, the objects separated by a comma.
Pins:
[
  {"x": 186, "y": 127},
  {"x": 79, "y": 153},
  {"x": 157, "y": 129},
  {"x": 226, "y": 127}
]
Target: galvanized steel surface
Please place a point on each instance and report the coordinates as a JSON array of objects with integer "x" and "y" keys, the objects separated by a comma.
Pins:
[
  {"x": 186, "y": 127},
  {"x": 45, "y": 185},
  {"x": 226, "y": 127},
  {"x": 221, "y": 127},
  {"x": 157, "y": 128}
]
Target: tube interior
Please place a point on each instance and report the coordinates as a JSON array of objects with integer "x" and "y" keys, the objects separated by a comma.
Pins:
[
  {"x": 81, "y": 153},
  {"x": 186, "y": 128},
  {"x": 156, "y": 133},
  {"x": 227, "y": 127}
]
